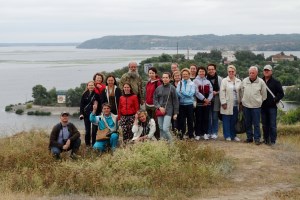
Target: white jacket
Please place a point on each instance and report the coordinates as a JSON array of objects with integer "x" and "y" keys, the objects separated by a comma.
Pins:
[
  {"x": 254, "y": 93},
  {"x": 227, "y": 96},
  {"x": 137, "y": 130}
]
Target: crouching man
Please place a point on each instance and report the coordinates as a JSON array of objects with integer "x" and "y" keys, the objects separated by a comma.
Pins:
[{"x": 64, "y": 137}]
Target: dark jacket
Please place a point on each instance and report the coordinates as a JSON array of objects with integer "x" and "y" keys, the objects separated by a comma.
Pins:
[
  {"x": 74, "y": 134},
  {"x": 275, "y": 86},
  {"x": 118, "y": 94},
  {"x": 87, "y": 101}
]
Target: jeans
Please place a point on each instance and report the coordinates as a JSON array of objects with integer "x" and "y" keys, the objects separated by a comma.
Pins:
[
  {"x": 229, "y": 122},
  {"x": 213, "y": 120},
  {"x": 164, "y": 123},
  {"x": 90, "y": 130},
  {"x": 252, "y": 118},
  {"x": 113, "y": 142},
  {"x": 268, "y": 119},
  {"x": 186, "y": 113},
  {"x": 74, "y": 146},
  {"x": 201, "y": 120}
]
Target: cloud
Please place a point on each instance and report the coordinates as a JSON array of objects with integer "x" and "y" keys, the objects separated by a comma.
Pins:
[{"x": 79, "y": 20}]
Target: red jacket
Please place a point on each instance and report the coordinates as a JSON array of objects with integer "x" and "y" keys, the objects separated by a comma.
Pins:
[
  {"x": 150, "y": 88},
  {"x": 98, "y": 89},
  {"x": 128, "y": 105}
]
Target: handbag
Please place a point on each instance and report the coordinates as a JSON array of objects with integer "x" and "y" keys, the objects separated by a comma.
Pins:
[
  {"x": 158, "y": 113},
  {"x": 240, "y": 126},
  {"x": 103, "y": 134}
]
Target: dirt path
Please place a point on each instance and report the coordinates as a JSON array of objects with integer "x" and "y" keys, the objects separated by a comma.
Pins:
[{"x": 262, "y": 172}]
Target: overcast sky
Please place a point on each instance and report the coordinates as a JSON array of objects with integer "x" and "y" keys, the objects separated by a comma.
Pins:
[{"x": 79, "y": 20}]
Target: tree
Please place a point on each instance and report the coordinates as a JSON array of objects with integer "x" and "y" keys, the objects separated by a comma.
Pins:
[{"x": 40, "y": 95}]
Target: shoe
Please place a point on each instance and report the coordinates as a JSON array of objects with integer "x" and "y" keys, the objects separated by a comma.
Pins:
[
  {"x": 185, "y": 137},
  {"x": 237, "y": 139},
  {"x": 206, "y": 137},
  {"x": 272, "y": 144},
  {"x": 257, "y": 142},
  {"x": 248, "y": 141},
  {"x": 197, "y": 138},
  {"x": 266, "y": 142},
  {"x": 74, "y": 156},
  {"x": 214, "y": 136},
  {"x": 228, "y": 139},
  {"x": 56, "y": 156}
]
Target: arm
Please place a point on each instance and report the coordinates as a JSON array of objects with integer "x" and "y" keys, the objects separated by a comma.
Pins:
[
  {"x": 54, "y": 135},
  {"x": 263, "y": 90},
  {"x": 279, "y": 92}
]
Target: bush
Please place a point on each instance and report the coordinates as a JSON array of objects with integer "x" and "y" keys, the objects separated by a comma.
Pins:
[
  {"x": 19, "y": 111},
  {"x": 28, "y": 105},
  {"x": 9, "y": 108},
  {"x": 291, "y": 117},
  {"x": 38, "y": 113}
]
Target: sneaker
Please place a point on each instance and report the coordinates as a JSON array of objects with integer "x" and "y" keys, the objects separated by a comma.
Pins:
[
  {"x": 206, "y": 137},
  {"x": 228, "y": 139},
  {"x": 56, "y": 156},
  {"x": 214, "y": 136},
  {"x": 237, "y": 139},
  {"x": 257, "y": 142},
  {"x": 185, "y": 137},
  {"x": 73, "y": 156},
  {"x": 197, "y": 138}
]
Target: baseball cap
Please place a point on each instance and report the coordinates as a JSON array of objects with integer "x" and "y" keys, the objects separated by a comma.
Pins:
[
  {"x": 64, "y": 113},
  {"x": 268, "y": 67}
]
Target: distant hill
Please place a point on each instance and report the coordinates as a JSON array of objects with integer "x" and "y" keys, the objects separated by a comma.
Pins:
[{"x": 276, "y": 42}]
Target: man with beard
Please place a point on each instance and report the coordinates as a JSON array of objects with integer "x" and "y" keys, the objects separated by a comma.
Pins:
[{"x": 133, "y": 77}]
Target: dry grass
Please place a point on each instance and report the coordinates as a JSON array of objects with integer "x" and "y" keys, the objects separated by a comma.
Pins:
[{"x": 153, "y": 169}]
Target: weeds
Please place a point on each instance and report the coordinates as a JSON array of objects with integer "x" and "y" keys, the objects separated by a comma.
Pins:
[{"x": 153, "y": 169}]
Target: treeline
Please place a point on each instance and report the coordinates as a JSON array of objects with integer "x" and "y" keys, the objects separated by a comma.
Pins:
[{"x": 286, "y": 72}]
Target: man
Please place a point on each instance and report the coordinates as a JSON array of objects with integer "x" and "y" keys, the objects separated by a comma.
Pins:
[
  {"x": 133, "y": 78},
  {"x": 214, "y": 108},
  {"x": 269, "y": 108},
  {"x": 64, "y": 137},
  {"x": 253, "y": 92}
]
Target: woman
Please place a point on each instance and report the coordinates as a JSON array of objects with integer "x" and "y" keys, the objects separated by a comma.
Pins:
[
  {"x": 105, "y": 120},
  {"x": 204, "y": 94},
  {"x": 166, "y": 100},
  {"x": 88, "y": 98},
  {"x": 112, "y": 93},
  {"x": 176, "y": 77},
  {"x": 129, "y": 105},
  {"x": 151, "y": 85},
  {"x": 229, "y": 97},
  {"x": 185, "y": 91},
  {"x": 99, "y": 86},
  {"x": 144, "y": 127},
  {"x": 193, "y": 72}
]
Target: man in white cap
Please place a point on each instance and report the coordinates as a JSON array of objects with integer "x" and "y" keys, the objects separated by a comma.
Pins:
[
  {"x": 269, "y": 108},
  {"x": 64, "y": 137}
]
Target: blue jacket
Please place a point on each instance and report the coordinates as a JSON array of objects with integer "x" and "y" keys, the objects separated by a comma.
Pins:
[
  {"x": 111, "y": 121},
  {"x": 186, "y": 92}
]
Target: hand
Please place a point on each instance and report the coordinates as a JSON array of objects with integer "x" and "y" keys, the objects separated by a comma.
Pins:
[
  {"x": 95, "y": 106},
  {"x": 136, "y": 116},
  {"x": 224, "y": 106},
  {"x": 215, "y": 93},
  {"x": 175, "y": 116},
  {"x": 67, "y": 145},
  {"x": 162, "y": 109},
  {"x": 206, "y": 101},
  {"x": 81, "y": 117}
]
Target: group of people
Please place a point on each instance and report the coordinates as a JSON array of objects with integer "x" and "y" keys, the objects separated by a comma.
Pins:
[{"x": 189, "y": 101}]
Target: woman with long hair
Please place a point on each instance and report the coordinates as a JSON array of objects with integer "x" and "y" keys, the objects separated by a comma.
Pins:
[
  {"x": 112, "y": 93},
  {"x": 129, "y": 105},
  {"x": 99, "y": 85},
  {"x": 88, "y": 98},
  {"x": 166, "y": 100},
  {"x": 143, "y": 127}
]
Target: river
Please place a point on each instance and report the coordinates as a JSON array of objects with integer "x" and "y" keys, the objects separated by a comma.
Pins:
[{"x": 62, "y": 67}]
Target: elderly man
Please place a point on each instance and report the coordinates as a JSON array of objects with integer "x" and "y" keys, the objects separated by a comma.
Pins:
[
  {"x": 64, "y": 137},
  {"x": 269, "y": 108},
  {"x": 133, "y": 78},
  {"x": 253, "y": 92}
]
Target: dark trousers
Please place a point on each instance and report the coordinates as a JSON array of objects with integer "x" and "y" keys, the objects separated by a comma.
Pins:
[
  {"x": 201, "y": 120},
  {"x": 151, "y": 114},
  {"x": 74, "y": 146},
  {"x": 90, "y": 130},
  {"x": 186, "y": 116},
  {"x": 268, "y": 119}
]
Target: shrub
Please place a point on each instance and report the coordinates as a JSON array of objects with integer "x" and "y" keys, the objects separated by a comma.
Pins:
[
  {"x": 19, "y": 111},
  {"x": 291, "y": 117},
  {"x": 28, "y": 105},
  {"x": 9, "y": 108},
  {"x": 38, "y": 113}
]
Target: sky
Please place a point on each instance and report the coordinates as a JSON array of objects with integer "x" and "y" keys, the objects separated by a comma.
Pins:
[{"x": 27, "y": 21}]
